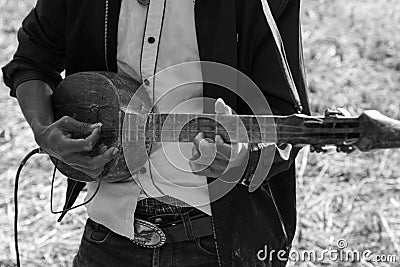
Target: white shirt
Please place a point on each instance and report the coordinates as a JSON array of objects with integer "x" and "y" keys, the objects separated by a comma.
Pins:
[{"x": 151, "y": 39}]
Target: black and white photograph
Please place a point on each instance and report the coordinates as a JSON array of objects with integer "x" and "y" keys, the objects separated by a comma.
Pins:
[{"x": 200, "y": 133}]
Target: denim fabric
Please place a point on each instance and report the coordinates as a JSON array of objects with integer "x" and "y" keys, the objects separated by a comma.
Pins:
[{"x": 102, "y": 247}]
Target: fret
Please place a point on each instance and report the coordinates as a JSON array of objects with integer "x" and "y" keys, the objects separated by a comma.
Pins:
[
  {"x": 247, "y": 124},
  {"x": 192, "y": 125},
  {"x": 130, "y": 123},
  {"x": 179, "y": 129},
  {"x": 186, "y": 126},
  {"x": 157, "y": 125},
  {"x": 237, "y": 128},
  {"x": 175, "y": 136},
  {"x": 249, "y": 129},
  {"x": 261, "y": 131},
  {"x": 126, "y": 134},
  {"x": 255, "y": 130},
  {"x": 268, "y": 128},
  {"x": 130, "y": 119},
  {"x": 165, "y": 127},
  {"x": 154, "y": 126},
  {"x": 215, "y": 124},
  {"x": 137, "y": 127},
  {"x": 225, "y": 124}
]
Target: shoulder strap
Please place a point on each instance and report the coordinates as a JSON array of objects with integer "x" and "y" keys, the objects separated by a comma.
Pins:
[{"x": 282, "y": 55}]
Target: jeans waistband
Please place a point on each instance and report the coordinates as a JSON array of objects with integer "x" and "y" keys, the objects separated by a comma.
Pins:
[{"x": 158, "y": 206}]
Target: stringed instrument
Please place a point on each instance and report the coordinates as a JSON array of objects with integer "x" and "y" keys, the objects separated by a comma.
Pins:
[{"x": 130, "y": 125}]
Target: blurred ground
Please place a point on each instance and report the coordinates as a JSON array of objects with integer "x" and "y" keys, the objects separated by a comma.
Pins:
[{"x": 352, "y": 54}]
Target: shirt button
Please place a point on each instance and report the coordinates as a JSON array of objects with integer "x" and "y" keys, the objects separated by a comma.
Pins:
[
  {"x": 143, "y": 170},
  {"x": 151, "y": 40},
  {"x": 146, "y": 82},
  {"x": 144, "y": 2}
]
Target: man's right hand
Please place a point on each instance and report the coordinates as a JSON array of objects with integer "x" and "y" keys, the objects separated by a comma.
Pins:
[{"x": 56, "y": 140}]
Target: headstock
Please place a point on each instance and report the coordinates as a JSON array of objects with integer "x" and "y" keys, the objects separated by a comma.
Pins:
[
  {"x": 378, "y": 131},
  {"x": 375, "y": 131}
]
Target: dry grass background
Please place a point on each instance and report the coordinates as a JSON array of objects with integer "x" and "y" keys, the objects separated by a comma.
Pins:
[{"x": 352, "y": 53}]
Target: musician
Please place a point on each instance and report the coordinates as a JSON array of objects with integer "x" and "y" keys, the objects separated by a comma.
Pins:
[{"x": 138, "y": 38}]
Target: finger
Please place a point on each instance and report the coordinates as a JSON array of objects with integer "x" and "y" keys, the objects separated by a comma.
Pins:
[
  {"x": 345, "y": 112},
  {"x": 195, "y": 154},
  {"x": 199, "y": 159},
  {"x": 95, "y": 174},
  {"x": 208, "y": 172},
  {"x": 225, "y": 150},
  {"x": 219, "y": 165},
  {"x": 207, "y": 148},
  {"x": 102, "y": 149},
  {"x": 204, "y": 151},
  {"x": 69, "y": 124},
  {"x": 197, "y": 139},
  {"x": 196, "y": 160},
  {"x": 78, "y": 161},
  {"x": 197, "y": 167},
  {"x": 89, "y": 163},
  {"x": 69, "y": 145},
  {"x": 103, "y": 159},
  {"x": 221, "y": 107}
]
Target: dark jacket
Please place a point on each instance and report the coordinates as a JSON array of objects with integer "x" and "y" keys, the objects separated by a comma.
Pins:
[{"x": 74, "y": 35}]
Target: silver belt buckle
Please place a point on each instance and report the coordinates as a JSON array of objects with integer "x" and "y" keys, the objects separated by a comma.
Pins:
[{"x": 148, "y": 235}]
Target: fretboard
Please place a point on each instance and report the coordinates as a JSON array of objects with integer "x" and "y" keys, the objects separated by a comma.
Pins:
[{"x": 294, "y": 129}]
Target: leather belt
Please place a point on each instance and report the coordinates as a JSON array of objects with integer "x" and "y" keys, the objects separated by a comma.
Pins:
[{"x": 152, "y": 231}]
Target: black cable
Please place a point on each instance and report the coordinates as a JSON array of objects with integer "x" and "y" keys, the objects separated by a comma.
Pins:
[
  {"x": 71, "y": 208},
  {"x": 30, "y": 154},
  {"x": 22, "y": 164}
]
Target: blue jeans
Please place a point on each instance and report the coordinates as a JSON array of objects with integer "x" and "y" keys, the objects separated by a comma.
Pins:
[{"x": 102, "y": 247}]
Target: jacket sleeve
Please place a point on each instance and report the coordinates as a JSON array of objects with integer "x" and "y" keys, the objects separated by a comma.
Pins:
[
  {"x": 266, "y": 71},
  {"x": 41, "y": 46},
  {"x": 268, "y": 75}
]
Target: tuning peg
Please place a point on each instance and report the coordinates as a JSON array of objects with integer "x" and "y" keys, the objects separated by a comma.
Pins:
[
  {"x": 318, "y": 149},
  {"x": 345, "y": 148},
  {"x": 334, "y": 112}
]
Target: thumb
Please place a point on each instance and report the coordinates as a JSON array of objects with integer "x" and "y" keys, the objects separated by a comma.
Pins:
[
  {"x": 69, "y": 124},
  {"x": 222, "y": 108}
]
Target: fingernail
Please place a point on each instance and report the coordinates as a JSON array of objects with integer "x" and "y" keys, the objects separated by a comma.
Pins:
[
  {"x": 96, "y": 125},
  {"x": 115, "y": 151},
  {"x": 88, "y": 147}
]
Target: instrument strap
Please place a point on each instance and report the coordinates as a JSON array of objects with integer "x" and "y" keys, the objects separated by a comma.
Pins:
[{"x": 282, "y": 55}]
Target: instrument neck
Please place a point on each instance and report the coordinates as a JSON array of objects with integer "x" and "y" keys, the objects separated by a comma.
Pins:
[{"x": 293, "y": 129}]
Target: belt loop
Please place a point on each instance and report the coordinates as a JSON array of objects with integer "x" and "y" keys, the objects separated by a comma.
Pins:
[
  {"x": 156, "y": 257},
  {"x": 188, "y": 226},
  {"x": 97, "y": 226}
]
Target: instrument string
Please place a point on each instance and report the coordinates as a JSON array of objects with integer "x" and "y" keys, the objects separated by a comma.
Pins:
[{"x": 250, "y": 126}]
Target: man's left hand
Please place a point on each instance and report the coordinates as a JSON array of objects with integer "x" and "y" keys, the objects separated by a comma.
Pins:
[{"x": 211, "y": 157}]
